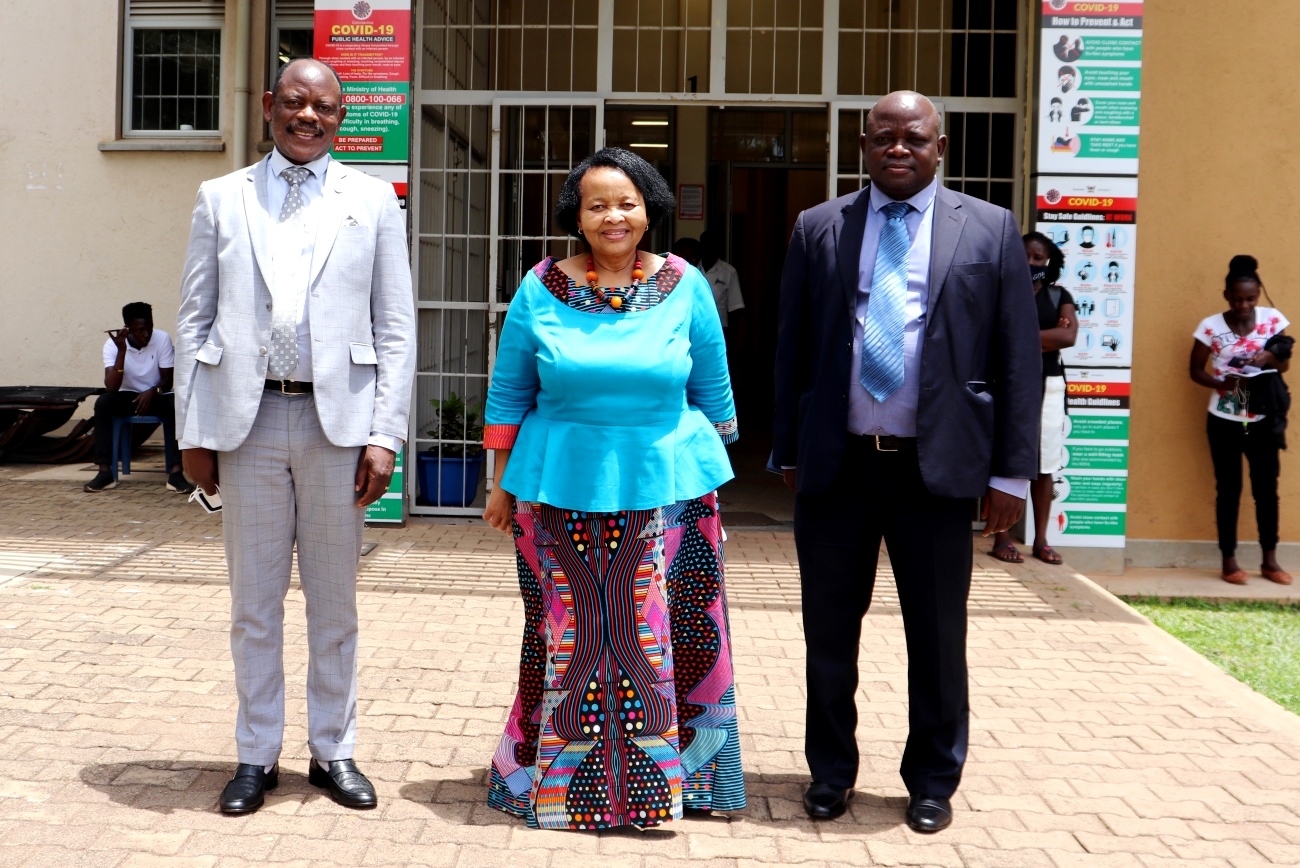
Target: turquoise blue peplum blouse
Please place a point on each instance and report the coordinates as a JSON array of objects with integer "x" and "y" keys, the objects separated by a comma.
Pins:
[{"x": 615, "y": 411}]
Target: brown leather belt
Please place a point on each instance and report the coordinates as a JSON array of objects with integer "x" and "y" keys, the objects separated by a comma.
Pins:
[
  {"x": 887, "y": 442},
  {"x": 288, "y": 387}
]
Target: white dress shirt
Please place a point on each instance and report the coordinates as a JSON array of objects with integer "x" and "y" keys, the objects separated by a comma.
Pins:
[
  {"x": 725, "y": 283},
  {"x": 896, "y": 415},
  {"x": 292, "y": 245}
]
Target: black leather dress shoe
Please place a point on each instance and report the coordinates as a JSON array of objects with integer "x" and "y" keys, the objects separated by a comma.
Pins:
[
  {"x": 927, "y": 814},
  {"x": 243, "y": 795},
  {"x": 825, "y": 802},
  {"x": 345, "y": 782}
]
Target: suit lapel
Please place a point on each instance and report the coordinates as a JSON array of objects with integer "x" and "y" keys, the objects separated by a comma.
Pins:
[
  {"x": 327, "y": 228},
  {"x": 944, "y": 237},
  {"x": 848, "y": 245},
  {"x": 258, "y": 214}
]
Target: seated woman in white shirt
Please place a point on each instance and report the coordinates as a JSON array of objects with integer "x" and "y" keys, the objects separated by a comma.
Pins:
[{"x": 138, "y": 364}]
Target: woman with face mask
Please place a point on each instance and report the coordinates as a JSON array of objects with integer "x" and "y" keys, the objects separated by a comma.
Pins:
[
  {"x": 1058, "y": 328},
  {"x": 1228, "y": 348}
]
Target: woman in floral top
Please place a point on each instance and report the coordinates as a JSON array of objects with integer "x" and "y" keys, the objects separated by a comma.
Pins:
[{"x": 1229, "y": 347}]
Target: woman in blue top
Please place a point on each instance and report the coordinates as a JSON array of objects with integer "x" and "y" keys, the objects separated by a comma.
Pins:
[{"x": 608, "y": 410}]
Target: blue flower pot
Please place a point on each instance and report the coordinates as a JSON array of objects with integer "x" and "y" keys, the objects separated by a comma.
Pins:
[{"x": 448, "y": 481}]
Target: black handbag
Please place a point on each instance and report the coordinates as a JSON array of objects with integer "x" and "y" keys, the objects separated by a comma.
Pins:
[{"x": 1269, "y": 396}]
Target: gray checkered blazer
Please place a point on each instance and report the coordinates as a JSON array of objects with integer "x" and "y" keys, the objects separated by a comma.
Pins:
[{"x": 360, "y": 308}]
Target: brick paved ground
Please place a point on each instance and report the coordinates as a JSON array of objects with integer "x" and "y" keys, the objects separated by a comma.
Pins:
[{"x": 1098, "y": 741}]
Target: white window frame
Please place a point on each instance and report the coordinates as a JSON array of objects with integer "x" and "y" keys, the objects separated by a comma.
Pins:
[
  {"x": 273, "y": 46},
  {"x": 160, "y": 22}
]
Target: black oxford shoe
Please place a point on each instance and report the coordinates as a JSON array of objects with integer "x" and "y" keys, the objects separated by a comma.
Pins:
[
  {"x": 345, "y": 783},
  {"x": 825, "y": 802},
  {"x": 243, "y": 795},
  {"x": 926, "y": 814}
]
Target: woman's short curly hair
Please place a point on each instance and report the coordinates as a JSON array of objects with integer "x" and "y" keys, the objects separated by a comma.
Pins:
[{"x": 655, "y": 192}]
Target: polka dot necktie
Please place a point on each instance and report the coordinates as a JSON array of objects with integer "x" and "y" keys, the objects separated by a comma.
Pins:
[
  {"x": 284, "y": 325},
  {"x": 881, "y": 371},
  {"x": 293, "y": 203}
]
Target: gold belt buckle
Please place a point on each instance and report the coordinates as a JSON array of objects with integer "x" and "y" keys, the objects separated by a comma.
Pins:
[{"x": 878, "y": 438}]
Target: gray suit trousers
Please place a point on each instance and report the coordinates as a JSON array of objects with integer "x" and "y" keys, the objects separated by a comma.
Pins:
[{"x": 287, "y": 483}]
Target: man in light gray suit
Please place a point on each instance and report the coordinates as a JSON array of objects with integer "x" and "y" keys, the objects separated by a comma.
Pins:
[{"x": 294, "y": 363}]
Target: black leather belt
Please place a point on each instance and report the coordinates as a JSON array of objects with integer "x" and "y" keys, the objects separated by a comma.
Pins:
[
  {"x": 288, "y": 387},
  {"x": 887, "y": 442}
]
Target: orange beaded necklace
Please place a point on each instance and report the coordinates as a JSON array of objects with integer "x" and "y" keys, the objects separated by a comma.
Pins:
[{"x": 613, "y": 301}]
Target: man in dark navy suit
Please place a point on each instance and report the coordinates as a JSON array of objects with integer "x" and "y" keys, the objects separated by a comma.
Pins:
[{"x": 907, "y": 385}]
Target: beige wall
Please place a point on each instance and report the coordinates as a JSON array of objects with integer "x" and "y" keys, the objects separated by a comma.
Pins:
[
  {"x": 86, "y": 231},
  {"x": 692, "y": 160},
  {"x": 83, "y": 231},
  {"x": 1220, "y": 175}
]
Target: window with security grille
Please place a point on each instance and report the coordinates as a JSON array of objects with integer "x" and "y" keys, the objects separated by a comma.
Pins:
[
  {"x": 172, "y": 74},
  {"x": 966, "y": 55},
  {"x": 661, "y": 46},
  {"x": 176, "y": 76},
  {"x": 938, "y": 47},
  {"x": 774, "y": 46},
  {"x": 519, "y": 45},
  {"x": 292, "y": 33}
]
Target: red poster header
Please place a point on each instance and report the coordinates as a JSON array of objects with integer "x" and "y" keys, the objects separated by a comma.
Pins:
[
  {"x": 373, "y": 48},
  {"x": 1082, "y": 7},
  {"x": 1110, "y": 390},
  {"x": 1055, "y": 201}
]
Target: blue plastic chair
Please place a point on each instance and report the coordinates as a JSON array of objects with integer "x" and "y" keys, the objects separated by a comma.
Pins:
[{"x": 122, "y": 442}]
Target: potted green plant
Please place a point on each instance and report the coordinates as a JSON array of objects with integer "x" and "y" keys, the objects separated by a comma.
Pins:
[{"x": 448, "y": 471}]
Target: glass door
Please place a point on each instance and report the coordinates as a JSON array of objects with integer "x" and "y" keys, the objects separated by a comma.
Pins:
[
  {"x": 489, "y": 175},
  {"x": 535, "y": 144}
]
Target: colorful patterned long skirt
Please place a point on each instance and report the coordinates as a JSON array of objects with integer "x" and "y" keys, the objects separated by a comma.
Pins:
[{"x": 626, "y": 710}]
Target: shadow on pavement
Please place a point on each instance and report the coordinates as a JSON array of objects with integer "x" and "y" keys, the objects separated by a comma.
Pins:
[
  {"x": 775, "y": 800},
  {"x": 461, "y": 800},
  {"x": 165, "y": 786}
]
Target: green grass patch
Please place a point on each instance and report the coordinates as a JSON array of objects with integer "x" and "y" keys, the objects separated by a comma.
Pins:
[{"x": 1257, "y": 643}]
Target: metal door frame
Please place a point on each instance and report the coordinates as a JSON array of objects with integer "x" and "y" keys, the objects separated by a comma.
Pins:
[{"x": 496, "y": 213}]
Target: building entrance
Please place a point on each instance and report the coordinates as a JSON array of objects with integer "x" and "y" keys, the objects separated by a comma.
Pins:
[
  {"x": 759, "y": 103},
  {"x": 765, "y": 166}
]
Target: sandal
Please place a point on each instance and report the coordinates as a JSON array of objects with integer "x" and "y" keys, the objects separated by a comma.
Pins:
[
  {"x": 1009, "y": 554},
  {"x": 1236, "y": 578},
  {"x": 1048, "y": 555},
  {"x": 1282, "y": 577}
]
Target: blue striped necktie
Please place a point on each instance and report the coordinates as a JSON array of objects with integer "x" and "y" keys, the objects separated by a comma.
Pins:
[{"x": 881, "y": 372}]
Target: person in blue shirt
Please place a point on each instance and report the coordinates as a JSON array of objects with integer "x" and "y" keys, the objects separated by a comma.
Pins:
[{"x": 608, "y": 411}]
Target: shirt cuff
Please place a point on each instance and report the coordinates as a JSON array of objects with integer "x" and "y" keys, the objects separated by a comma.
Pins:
[
  {"x": 729, "y": 430},
  {"x": 1014, "y": 487},
  {"x": 388, "y": 441},
  {"x": 500, "y": 436}
]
